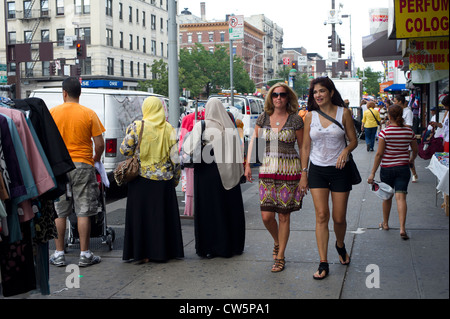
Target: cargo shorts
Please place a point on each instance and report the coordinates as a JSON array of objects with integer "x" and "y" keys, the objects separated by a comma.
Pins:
[{"x": 83, "y": 193}]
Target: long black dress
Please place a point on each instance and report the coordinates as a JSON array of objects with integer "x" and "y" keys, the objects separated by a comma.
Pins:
[
  {"x": 218, "y": 214},
  {"x": 152, "y": 227}
]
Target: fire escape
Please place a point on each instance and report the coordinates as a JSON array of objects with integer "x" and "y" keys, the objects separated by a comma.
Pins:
[{"x": 35, "y": 17}]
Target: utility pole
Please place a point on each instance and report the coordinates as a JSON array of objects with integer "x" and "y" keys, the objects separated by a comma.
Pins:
[
  {"x": 333, "y": 42},
  {"x": 174, "y": 85}
]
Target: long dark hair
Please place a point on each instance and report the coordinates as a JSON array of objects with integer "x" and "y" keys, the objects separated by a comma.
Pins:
[{"x": 325, "y": 81}]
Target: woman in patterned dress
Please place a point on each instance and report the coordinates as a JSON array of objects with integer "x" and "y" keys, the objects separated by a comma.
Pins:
[{"x": 279, "y": 175}]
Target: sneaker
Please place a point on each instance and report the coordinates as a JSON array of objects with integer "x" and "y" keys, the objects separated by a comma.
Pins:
[
  {"x": 414, "y": 178},
  {"x": 59, "y": 261},
  {"x": 88, "y": 261}
]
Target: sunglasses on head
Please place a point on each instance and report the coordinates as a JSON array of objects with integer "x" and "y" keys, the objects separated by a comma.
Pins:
[{"x": 276, "y": 95}]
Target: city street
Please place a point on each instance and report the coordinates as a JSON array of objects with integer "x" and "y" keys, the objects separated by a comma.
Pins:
[{"x": 383, "y": 266}]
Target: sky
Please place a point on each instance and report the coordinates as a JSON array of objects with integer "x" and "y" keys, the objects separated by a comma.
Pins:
[{"x": 302, "y": 21}]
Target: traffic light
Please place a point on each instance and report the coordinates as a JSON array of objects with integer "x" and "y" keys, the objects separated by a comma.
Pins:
[
  {"x": 80, "y": 46},
  {"x": 52, "y": 68},
  {"x": 341, "y": 48},
  {"x": 330, "y": 41},
  {"x": 294, "y": 65},
  {"x": 346, "y": 66}
]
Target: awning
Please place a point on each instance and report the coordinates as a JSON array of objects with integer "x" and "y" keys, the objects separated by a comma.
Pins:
[
  {"x": 396, "y": 88},
  {"x": 377, "y": 47}
]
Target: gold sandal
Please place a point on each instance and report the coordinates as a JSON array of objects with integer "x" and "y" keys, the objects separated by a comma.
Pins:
[{"x": 279, "y": 264}]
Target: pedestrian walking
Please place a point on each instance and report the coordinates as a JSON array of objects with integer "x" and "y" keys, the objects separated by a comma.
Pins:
[
  {"x": 219, "y": 219},
  {"x": 325, "y": 149},
  {"x": 78, "y": 126},
  {"x": 370, "y": 122},
  {"x": 152, "y": 222},
  {"x": 408, "y": 121},
  {"x": 394, "y": 158},
  {"x": 280, "y": 172}
]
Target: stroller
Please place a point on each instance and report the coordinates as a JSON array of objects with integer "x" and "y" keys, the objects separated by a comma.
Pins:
[{"x": 99, "y": 227}]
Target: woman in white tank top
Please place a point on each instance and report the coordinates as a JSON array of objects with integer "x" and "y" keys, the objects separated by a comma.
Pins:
[{"x": 325, "y": 150}]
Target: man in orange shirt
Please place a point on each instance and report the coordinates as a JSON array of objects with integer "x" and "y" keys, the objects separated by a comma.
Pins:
[{"x": 79, "y": 126}]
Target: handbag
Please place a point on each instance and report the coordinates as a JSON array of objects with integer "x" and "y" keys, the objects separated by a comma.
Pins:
[
  {"x": 187, "y": 160},
  {"x": 355, "y": 176},
  {"x": 128, "y": 170}
]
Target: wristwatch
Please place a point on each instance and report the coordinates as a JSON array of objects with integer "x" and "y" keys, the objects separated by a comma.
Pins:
[{"x": 305, "y": 169}]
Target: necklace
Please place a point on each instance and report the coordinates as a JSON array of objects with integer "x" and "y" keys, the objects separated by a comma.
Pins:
[{"x": 277, "y": 123}]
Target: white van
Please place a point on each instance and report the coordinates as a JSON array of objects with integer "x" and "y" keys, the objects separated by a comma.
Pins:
[
  {"x": 116, "y": 109},
  {"x": 250, "y": 106}
]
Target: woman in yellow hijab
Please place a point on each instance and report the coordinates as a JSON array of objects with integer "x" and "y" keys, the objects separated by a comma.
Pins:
[{"x": 152, "y": 203}]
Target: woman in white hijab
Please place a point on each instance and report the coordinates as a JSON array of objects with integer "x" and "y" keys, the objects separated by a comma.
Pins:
[{"x": 218, "y": 207}]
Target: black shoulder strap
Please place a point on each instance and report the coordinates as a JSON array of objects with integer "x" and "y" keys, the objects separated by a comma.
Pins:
[{"x": 330, "y": 118}]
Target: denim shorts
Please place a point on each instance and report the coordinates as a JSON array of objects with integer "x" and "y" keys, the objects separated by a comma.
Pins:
[
  {"x": 336, "y": 180},
  {"x": 85, "y": 193},
  {"x": 397, "y": 177}
]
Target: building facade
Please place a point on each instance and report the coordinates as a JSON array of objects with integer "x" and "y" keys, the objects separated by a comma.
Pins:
[{"x": 123, "y": 38}]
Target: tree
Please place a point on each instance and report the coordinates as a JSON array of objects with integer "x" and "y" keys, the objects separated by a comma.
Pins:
[
  {"x": 370, "y": 83},
  {"x": 160, "y": 84}
]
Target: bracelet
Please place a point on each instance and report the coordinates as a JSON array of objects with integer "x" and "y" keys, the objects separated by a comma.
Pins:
[{"x": 305, "y": 169}]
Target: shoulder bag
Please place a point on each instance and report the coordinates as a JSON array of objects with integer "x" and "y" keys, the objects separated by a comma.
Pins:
[
  {"x": 355, "y": 176},
  {"x": 378, "y": 123},
  {"x": 128, "y": 170},
  {"x": 187, "y": 160}
]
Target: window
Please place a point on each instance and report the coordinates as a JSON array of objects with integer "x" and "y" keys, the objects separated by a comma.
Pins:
[
  {"x": 189, "y": 38},
  {"x": 59, "y": 7},
  {"x": 11, "y": 10},
  {"x": 138, "y": 69},
  {"x": 137, "y": 43},
  {"x": 108, "y": 6},
  {"x": 143, "y": 18},
  {"x": 44, "y": 8},
  {"x": 211, "y": 37},
  {"x": 121, "y": 39},
  {"x": 45, "y": 35},
  {"x": 145, "y": 70},
  {"x": 130, "y": 14},
  {"x": 222, "y": 36},
  {"x": 12, "y": 39},
  {"x": 45, "y": 68},
  {"x": 162, "y": 49},
  {"x": 153, "y": 22},
  {"x": 144, "y": 45},
  {"x": 110, "y": 66},
  {"x": 120, "y": 11},
  {"x": 137, "y": 16},
  {"x": 199, "y": 37},
  {"x": 60, "y": 33},
  {"x": 153, "y": 47},
  {"x": 122, "y": 68},
  {"x": 131, "y": 69},
  {"x": 27, "y": 9},
  {"x": 161, "y": 21},
  {"x": 131, "y": 42},
  {"x": 84, "y": 7},
  {"x": 87, "y": 35},
  {"x": 109, "y": 37}
]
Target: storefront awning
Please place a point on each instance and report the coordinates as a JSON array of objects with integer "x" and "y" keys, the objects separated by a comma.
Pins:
[
  {"x": 377, "y": 47},
  {"x": 396, "y": 88}
]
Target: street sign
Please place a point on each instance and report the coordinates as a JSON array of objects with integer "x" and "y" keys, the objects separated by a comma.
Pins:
[
  {"x": 236, "y": 27},
  {"x": 303, "y": 60},
  {"x": 2, "y": 67},
  {"x": 286, "y": 61},
  {"x": 333, "y": 57},
  {"x": 3, "y": 79}
]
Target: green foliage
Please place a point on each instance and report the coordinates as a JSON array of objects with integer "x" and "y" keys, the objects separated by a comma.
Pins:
[
  {"x": 202, "y": 72},
  {"x": 371, "y": 85}
]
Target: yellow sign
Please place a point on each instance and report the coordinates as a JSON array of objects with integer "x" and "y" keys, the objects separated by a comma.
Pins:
[
  {"x": 421, "y": 18},
  {"x": 428, "y": 53}
]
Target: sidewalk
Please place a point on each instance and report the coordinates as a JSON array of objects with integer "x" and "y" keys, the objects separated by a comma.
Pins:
[{"x": 414, "y": 269}]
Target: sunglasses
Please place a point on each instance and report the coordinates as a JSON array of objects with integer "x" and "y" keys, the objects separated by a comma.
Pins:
[{"x": 276, "y": 95}]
